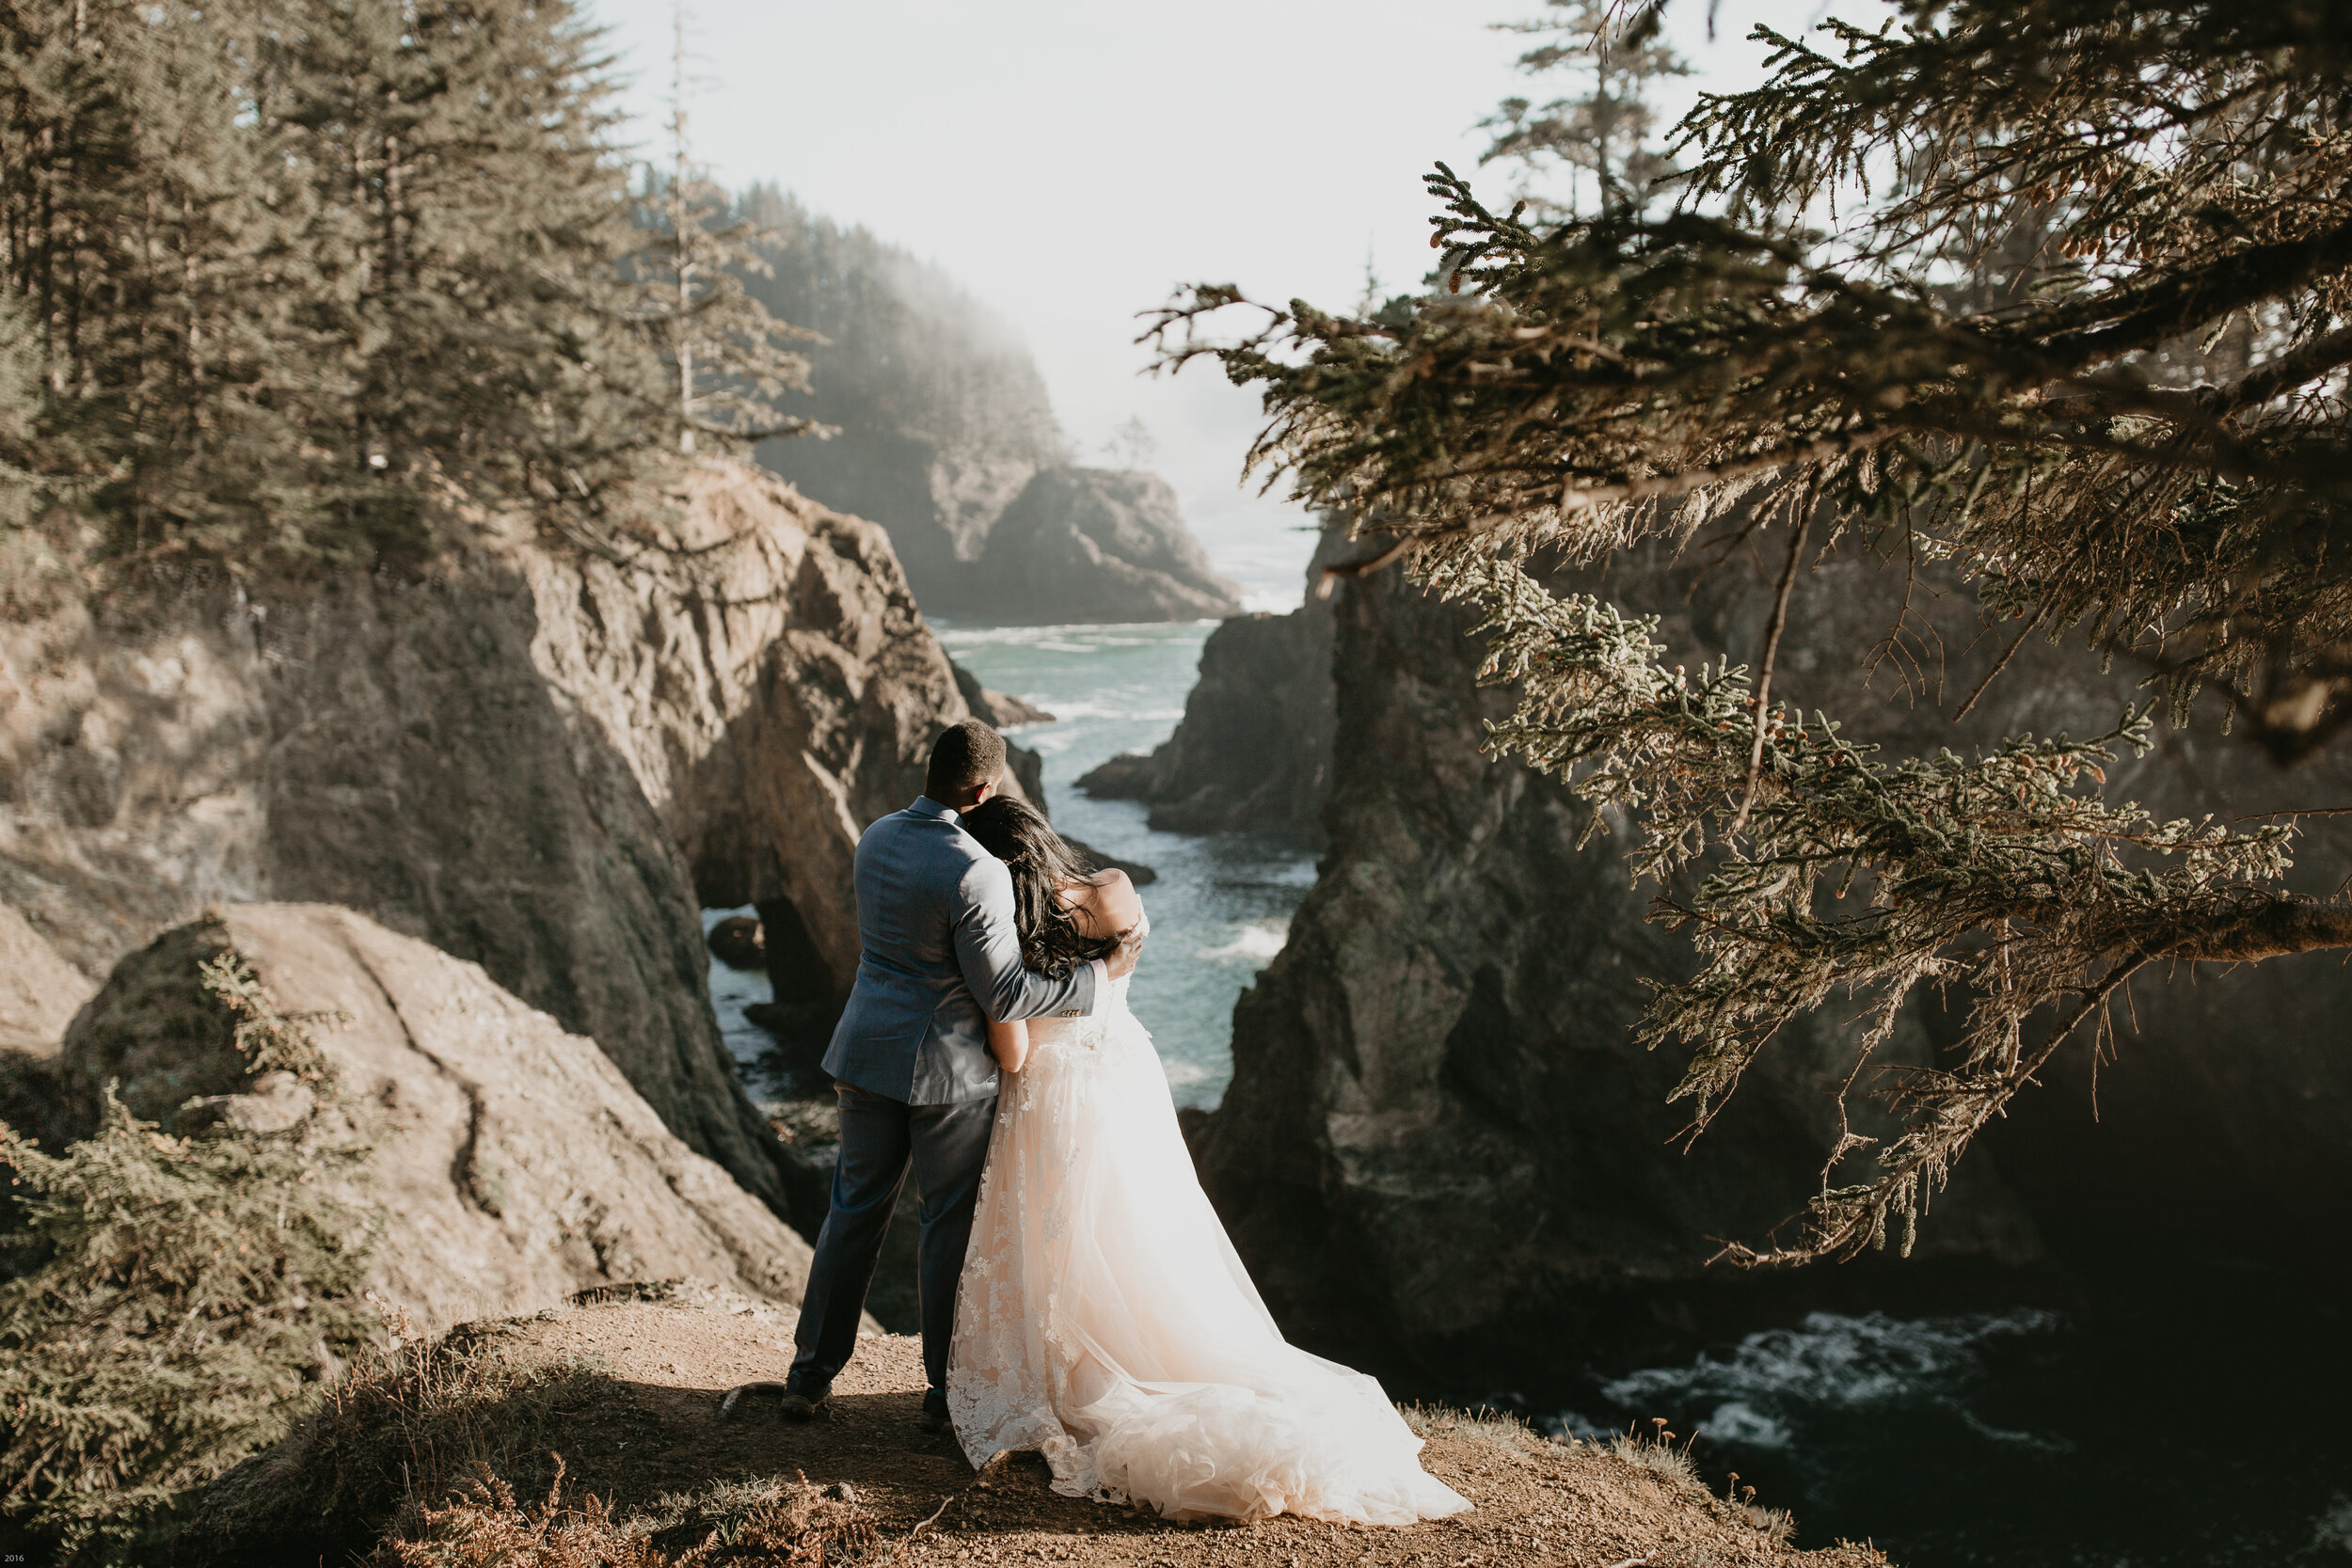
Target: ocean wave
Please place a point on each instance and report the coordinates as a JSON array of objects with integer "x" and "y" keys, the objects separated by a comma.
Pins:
[
  {"x": 1255, "y": 941},
  {"x": 2332, "y": 1529},
  {"x": 1102, "y": 634},
  {"x": 1064, "y": 711},
  {"x": 1758, "y": 1393}
]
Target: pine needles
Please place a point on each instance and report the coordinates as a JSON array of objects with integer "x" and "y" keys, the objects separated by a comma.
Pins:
[
  {"x": 177, "y": 1301},
  {"x": 2077, "y": 329},
  {"x": 792, "y": 1524},
  {"x": 2007, "y": 879}
]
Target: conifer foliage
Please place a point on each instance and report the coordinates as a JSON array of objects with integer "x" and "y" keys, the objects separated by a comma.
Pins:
[
  {"x": 278, "y": 277},
  {"x": 1604, "y": 134},
  {"x": 732, "y": 358},
  {"x": 2078, "y": 330},
  {"x": 177, "y": 1301}
]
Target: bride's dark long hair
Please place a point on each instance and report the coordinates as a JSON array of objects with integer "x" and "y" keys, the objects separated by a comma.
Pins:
[{"x": 1042, "y": 864}]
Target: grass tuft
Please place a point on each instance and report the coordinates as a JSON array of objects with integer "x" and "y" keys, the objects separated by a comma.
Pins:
[{"x": 768, "y": 1522}]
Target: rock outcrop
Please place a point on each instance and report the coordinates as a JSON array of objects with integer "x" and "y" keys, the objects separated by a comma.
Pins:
[
  {"x": 1253, "y": 750},
  {"x": 40, "y": 991},
  {"x": 512, "y": 1163},
  {"x": 538, "y": 756},
  {"x": 1089, "y": 544},
  {"x": 1443, "y": 1153},
  {"x": 945, "y": 436}
]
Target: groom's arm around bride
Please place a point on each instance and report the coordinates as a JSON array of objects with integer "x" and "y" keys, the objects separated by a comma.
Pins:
[{"x": 917, "y": 1089}]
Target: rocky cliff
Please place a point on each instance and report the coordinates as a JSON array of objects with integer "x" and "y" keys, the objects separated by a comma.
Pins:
[
  {"x": 1089, "y": 545},
  {"x": 1443, "y": 1152},
  {"x": 535, "y": 755},
  {"x": 1253, "y": 751},
  {"x": 946, "y": 437},
  {"x": 512, "y": 1163}
]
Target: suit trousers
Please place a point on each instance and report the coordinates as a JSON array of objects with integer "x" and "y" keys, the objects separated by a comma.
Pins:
[{"x": 881, "y": 1138}]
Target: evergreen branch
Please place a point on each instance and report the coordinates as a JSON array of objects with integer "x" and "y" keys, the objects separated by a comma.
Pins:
[
  {"x": 2004, "y": 876},
  {"x": 179, "y": 1300}
]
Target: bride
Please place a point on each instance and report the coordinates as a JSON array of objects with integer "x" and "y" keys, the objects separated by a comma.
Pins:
[{"x": 1102, "y": 1316}]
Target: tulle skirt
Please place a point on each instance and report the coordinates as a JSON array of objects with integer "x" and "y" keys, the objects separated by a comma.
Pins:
[{"x": 1104, "y": 1319}]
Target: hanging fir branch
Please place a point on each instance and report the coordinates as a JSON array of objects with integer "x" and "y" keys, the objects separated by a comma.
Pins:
[{"x": 2079, "y": 326}]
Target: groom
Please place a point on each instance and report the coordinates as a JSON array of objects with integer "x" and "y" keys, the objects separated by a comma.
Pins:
[{"x": 910, "y": 1059}]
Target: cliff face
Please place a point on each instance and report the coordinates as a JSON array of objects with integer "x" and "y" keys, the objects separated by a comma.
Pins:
[
  {"x": 1443, "y": 1152},
  {"x": 531, "y": 756},
  {"x": 512, "y": 1163},
  {"x": 1091, "y": 544},
  {"x": 946, "y": 437},
  {"x": 1253, "y": 751}
]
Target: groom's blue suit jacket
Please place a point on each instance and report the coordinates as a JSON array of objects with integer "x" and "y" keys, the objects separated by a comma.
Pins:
[{"x": 935, "y": 918}]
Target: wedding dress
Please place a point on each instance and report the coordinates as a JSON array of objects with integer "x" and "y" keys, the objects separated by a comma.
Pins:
[{"x": 1104, "y": 1319}]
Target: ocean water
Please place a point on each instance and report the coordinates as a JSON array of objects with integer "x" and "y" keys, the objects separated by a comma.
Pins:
[
  {"x": 1223, "y": 902},
  {"x": 1222, "y": 905},
  {"x": 2188, "y": 1422}
]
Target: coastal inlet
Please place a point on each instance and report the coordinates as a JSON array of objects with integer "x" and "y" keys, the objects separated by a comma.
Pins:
[{"x": 1222, "y": 902}]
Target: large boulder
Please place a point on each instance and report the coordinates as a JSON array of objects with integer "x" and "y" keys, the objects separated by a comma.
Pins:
[
  {"x": 1092, "y": 545},
  {"x": 1445, "y": 1153},
  {"x": 539, "y": 755},
  {"x": 513, "y": 1162}
]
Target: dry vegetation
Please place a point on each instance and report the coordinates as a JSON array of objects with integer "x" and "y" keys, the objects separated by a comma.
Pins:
[
  {"x": 171, "y": 1302},
  {"x": 445, "y": 1456}
]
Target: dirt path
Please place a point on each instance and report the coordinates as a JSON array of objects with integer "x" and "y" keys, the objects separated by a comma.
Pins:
[{"x": 654, "y": 1429}]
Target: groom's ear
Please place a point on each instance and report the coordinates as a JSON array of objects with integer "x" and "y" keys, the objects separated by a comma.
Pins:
[{"x": 986, "y": 790}]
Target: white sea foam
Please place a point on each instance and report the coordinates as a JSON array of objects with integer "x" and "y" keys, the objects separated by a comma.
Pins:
[
  {"x": 1098, "y": 634},
  {"x": 1107, "y": 710},
  {"x": 1256, "y": 942},
  {"x": 1735, "y": 1422},
  {"x": 2332, "y": 1529},
  {"x": 1831, "y": 1362},
  {"x": 1181, "y": 1073}
]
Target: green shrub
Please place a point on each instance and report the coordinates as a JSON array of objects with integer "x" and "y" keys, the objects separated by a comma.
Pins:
[{"x": 178, "y": 1301}]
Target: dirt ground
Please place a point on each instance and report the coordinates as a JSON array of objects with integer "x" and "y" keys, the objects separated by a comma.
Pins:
[{"x": 674, "y": 1361}]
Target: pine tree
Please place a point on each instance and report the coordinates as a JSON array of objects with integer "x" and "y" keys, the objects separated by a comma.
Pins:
[
  {"x": 176, "y": 1301},
  {"x": 1605, "y": 132},
  {"x": 468, "y": 217},
  {"x": 730, "y": 357},
  {"x": 2081, "y": 338},
  {"x": 135, "y": 234},
  {"x": 284, "y": 278}
]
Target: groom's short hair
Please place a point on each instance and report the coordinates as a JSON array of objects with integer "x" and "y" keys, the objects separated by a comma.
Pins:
[{"x": 967, "y": 755}]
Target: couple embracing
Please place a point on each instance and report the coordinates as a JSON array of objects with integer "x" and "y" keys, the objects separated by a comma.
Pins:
[{"x": 1078, "y": 1293}]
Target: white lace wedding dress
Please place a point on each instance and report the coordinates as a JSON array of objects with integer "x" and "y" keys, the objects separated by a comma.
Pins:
[{"x": 1104, "y": 1319}]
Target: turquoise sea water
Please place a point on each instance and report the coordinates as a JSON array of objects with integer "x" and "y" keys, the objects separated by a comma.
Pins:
[{"x": 1223, "y": 903}]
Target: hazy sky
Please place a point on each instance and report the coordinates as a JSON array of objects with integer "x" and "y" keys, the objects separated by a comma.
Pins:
[{"x": 1072, "y": 161}]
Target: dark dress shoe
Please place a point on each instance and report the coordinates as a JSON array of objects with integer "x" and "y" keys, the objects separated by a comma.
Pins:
[
  {"x": 803, "y": 1396},
  {"x": 936, "y": 1416}
]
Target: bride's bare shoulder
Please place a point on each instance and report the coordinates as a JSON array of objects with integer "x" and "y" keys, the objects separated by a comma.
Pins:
[{"x": 1107, "y": 901}]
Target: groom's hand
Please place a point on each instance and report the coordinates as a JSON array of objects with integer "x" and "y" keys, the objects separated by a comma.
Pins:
[{"x": 1122, "y": 964}]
